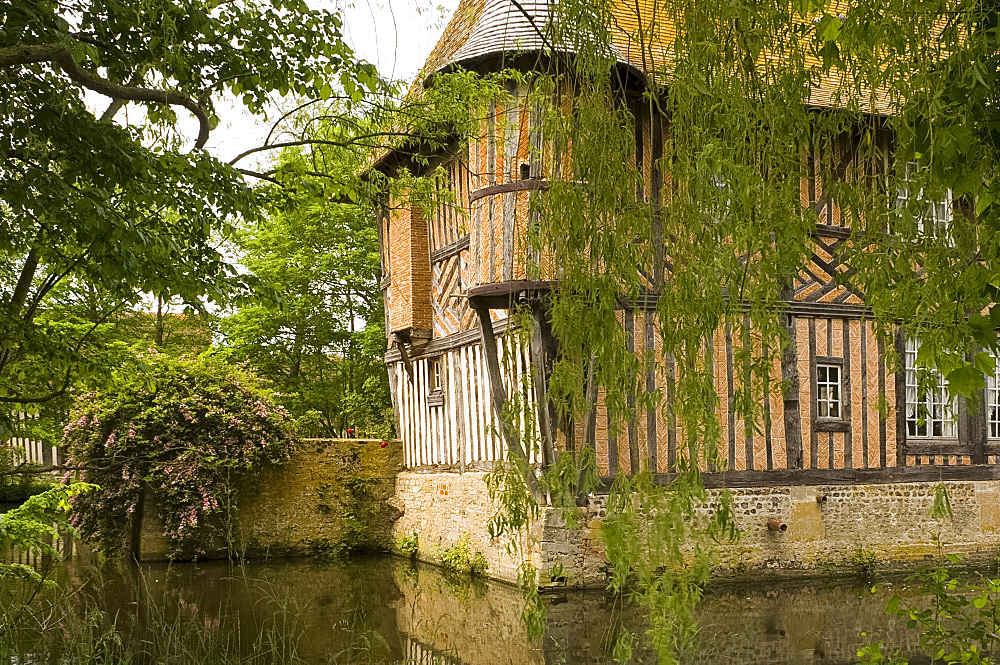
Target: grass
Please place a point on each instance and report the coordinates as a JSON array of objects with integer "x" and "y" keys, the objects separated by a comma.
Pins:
[{"x": 118, "y": 619}]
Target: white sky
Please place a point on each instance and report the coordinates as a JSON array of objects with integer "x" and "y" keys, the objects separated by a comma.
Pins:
[{"x": 395, "y": 35}]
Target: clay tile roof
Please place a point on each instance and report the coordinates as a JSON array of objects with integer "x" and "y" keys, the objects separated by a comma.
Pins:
[{"x": 483, "y": 27}]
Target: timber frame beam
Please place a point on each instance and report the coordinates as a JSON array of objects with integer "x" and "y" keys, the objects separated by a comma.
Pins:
[
  {"x": 508, "y": 428},
  {"x": 815, "y": 477}
]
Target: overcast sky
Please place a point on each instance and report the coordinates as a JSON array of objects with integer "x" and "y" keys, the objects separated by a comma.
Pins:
[{"x": 395, "y": 35}]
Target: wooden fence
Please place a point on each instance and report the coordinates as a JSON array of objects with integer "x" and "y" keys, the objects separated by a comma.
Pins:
[{"x": 30, "y": 450}]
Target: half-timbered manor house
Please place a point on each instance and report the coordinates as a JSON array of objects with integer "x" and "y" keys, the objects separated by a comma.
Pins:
[{"x": 837, "y": 472}]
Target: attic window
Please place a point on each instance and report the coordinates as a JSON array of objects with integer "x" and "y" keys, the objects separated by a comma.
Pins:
[{"x": 435, "y": 382}]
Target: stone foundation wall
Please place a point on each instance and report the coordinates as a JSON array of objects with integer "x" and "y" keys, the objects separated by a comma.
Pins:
[
  {"x": 441, "y": 508},
  {"x": 333, "y": 494},
  {"x": 828, "y": 528}
]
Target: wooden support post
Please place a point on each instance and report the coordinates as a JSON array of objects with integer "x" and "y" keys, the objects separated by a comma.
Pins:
[
  {"x": 730, "y": 395},
  {"x": 790, "y": 378},
  {"x": 975, "y": 418},
  {"x": 508, "y": 428},
  {"x": 456, "y": 384},
  {"x": 649, "y": 347},
  {"x": 540, "y": 368},
  {"x": 900, "y": 343},
  {"x": 847, "y": 397},
  {"x": 768, "y": 451},
  {"x": 671, "y": 415},
  {"x": 710, "y": 369},
  {"x": 882, "y": 436},
  {"x": 589, "y": 426},
  {"x": 633, "y": 445},
  {"x": 748, "y": 418},
  {"x": 813, "y": 434}
]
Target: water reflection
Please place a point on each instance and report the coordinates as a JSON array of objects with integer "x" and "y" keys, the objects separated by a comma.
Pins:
[{"x": 386, "y": 610}]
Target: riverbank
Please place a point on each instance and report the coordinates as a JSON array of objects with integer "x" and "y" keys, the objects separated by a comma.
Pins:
[{"x": 377, "y": 609}]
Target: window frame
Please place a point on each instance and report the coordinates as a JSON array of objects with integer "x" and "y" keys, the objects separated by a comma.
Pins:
[
  {"x": 948, "y": 403},
  {"x": 828, "y": 364},
  {"x": 993, "y": 402},
  {"x": 940, "y": 229},
  {"x": 838, "y": 423},
  {"x": 435, "y": 381}
]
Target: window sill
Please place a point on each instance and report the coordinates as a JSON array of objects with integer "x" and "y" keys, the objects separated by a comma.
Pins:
[
  {"x": 832, "y": 425},
  {"x": 435, "y": 398},
  {"x": 935, "y": 445}
]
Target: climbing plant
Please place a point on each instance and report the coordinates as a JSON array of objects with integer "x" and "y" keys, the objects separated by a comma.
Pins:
[{"x": 180, "y": 437}]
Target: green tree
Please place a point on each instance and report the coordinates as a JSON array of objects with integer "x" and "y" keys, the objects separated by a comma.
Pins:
[
  {"x": 321, "y": 340},
  {"x": 117, "y": 201}
]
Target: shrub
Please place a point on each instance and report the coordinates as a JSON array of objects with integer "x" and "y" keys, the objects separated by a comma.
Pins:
[
  {"x": 185, "y": 431},
  {"x": 865, "y": 564},
  {"x": 408, "y": 545},
  {"x": 459, "y": 557}
]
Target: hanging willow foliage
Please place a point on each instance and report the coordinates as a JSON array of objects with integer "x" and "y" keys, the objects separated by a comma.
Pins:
[{"x": 714, "y": 228}]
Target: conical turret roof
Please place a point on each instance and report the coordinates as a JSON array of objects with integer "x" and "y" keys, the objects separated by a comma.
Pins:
[
  {"x": 480, "y": 28},
  {"x": 640, "y": 36}
]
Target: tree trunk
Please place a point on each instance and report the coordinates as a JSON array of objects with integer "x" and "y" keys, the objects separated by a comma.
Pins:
[{"x": 158, "y": 328}]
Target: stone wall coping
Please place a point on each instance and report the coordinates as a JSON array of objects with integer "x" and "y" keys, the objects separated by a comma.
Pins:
[{"x": 335, "y": 440}]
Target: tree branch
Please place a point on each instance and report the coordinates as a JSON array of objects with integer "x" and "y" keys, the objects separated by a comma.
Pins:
[
  {"x": 13, "y": 56},
  {"x": 259, "y": 175},
  {"x": 286, "y": 115},
  {"x": 67, "y": 382},
  {"x": 356, "y": 140}
]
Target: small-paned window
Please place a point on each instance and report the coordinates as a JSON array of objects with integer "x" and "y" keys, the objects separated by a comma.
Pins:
[
  {"x": 828, "y": 391},
  {"x": 993, "y": 401},
  {"x": 930, "y": 410},
  {"x": 934, "y": 221},
  {"x": 436, "y": 380}
]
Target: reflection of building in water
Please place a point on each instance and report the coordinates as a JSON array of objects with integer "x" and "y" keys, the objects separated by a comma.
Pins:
[
  {"x": 845, "y": 454},
  {"x": 63, "y": 543},
  {"x": 439, "y": 616},
  {"x": 418, "y": 653},
  {"x": 386, "y": 610},
  {"x": 477, "y": 621}
]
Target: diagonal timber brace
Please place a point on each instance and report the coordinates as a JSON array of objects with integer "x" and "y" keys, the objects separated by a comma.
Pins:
[{"x": 511, "y": 433}]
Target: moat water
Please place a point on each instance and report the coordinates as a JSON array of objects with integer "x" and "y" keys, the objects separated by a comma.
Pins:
[{"x": 388, "y": 610}]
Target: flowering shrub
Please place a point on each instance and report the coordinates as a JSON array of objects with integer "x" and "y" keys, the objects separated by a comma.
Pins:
[{"x": 184, "y": 433}]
